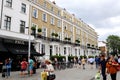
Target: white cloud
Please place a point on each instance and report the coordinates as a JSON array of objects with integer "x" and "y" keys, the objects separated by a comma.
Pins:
[{"x": 102, "y": 15}]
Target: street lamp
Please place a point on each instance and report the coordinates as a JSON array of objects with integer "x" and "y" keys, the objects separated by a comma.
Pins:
[
  {"x": 29, "y": 45},
  {"x": 1, "y": 14}
]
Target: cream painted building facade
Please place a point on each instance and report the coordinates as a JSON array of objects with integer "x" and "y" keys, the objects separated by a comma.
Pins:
[
  {"x": 61, "y": 33},
  {"x": 56, "y": 31}
]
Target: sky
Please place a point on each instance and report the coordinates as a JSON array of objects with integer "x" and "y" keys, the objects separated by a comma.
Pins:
[{"x": 102, "y": 15}]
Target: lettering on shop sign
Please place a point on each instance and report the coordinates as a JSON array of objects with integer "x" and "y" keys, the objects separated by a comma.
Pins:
[{"x": 19, "y": 42}]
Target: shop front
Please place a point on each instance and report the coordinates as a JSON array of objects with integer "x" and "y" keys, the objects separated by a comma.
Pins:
[{"x": 16, "y": 50}]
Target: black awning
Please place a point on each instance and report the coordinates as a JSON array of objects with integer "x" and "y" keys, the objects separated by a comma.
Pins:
[
  {"x": 2, "y": 48},
  {"x": 20, "y": 49}
]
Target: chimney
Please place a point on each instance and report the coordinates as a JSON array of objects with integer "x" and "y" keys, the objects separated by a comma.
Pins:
[{"x": 54, "y": 2}]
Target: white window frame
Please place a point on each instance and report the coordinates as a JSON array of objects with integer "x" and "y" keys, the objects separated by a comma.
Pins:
[
  {"x": 65, "y": 27},
  {"x": 52, "y": 20},
  {"x": 60, "y": 35},
  {"x": 23, "y": 7},
  {"x": 35, "y": 13},
  {"x": 52, "y": 8},
  {"x": 44, "y": 17},
  {"x": 42, "y": 48},
  {"x": 59, "y": 23},
  {"x": 7, "y": 22},
  {"x": 9, "y": 3},
  {"x": 44, "y": 31},
  {"x": 22, "y": 25},
  {"x": 59, "y": 13}
]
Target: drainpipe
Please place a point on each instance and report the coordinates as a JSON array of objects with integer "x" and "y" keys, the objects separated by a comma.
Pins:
[{"x": 1, "y": 14}]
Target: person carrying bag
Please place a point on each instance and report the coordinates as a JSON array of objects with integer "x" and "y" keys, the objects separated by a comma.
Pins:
[{"x": 50, "y": 70}]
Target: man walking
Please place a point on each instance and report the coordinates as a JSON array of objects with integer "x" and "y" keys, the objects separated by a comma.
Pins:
[{"x": 103, "y": 67}]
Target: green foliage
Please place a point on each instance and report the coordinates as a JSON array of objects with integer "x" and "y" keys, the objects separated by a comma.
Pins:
[
  {"x": 90, "y": 56},
  {"x": 83, "y": 56},
  {"x": 33, "y": 28},
  {"x": 113, "y": 43},
  {"x": 72, "y": 57},
  {"x": 39, "y": 30},
  {"x": 77, "y": 41},
  {"x": 56, "y": 35},
  {"x": 53, "y": 34},
  {"x": 69, "y": 39},
  {"x": 59, "y": 58},
  {"x": 66, "y": 38}
]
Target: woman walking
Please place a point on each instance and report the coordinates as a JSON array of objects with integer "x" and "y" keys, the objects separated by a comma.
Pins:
[
  {"x": 50, "y": 70},
  {"x": 112, "y": 67}
]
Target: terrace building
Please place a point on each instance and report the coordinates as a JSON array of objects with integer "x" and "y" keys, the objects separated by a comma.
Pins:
[{"x": 53, "y": 30}]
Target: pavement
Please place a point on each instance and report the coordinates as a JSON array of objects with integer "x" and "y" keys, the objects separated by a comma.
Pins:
[{"x": 67, "y": 74}]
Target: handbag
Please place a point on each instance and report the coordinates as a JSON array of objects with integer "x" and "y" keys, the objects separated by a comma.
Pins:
[
  {"x": 51, "y": 76},
  {"x": 118, "y": 68}
]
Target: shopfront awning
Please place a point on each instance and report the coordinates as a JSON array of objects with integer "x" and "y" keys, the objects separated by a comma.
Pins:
[
  {"x": 2, "y": 48},
  {"x": 19, "y": 49}
]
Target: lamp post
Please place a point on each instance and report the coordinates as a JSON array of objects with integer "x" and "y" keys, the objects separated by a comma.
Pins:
[
  {"x": 29, "y": 46},
  {"x": 1, "y": 14}
]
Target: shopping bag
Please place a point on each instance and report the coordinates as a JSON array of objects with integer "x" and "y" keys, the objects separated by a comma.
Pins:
[
  {"x": 97, "y": 76},
  {"x": 43, "y": 75}
]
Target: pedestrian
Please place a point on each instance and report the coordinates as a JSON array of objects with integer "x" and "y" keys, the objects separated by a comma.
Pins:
[
  {"x": 83, "y": 62},
  {"x": 24, "y": 65},
  {"x": 103, "y": 66},
  {"x": 112, "y": 67},
  {"x": 50, "y": 70},
  {"x": 79, "y": 63},
  {"x": 34, "y": 65},
  {"x": 75, "y": 62},
  {"x": 8, "y": 63},
  {"x": 119, "y": 59},
  {"x": 91, "y": 61},
  {"x": 31, "y": 64},
  {"x": 97, "y": 61}
]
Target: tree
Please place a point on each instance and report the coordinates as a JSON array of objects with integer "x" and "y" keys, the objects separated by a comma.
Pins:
[{"x": 113, "y": 43}]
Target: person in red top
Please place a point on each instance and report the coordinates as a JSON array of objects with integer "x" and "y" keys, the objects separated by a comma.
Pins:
[
  {"x": 24, "y": 65},
  {"x": 112, "y": 67}
]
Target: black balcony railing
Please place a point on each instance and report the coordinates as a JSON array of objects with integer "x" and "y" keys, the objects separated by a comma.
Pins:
[{"x": 54, "y": 39}]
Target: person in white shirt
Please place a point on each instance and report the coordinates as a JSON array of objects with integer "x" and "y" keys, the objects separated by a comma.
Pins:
[
  {"x": 91, "y": 61},
  {"x": 49, "y": 68},
  {"x": 119, "y": 60}
]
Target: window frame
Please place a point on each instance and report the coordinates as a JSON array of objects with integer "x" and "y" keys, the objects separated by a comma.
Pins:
[
  {"x": 7, "y": 22},
  {"x": 23, "y": 8},
  {"x": 52, "y": 20},
  {"x": 9, "y": 3},
  {"x": 22, "y": 26},
  {"x": 44, "y": 17},
  {"x": 35, "y": 13}
]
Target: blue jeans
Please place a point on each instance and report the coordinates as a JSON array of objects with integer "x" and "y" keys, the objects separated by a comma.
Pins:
[{"x": 8, "y": 71}]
